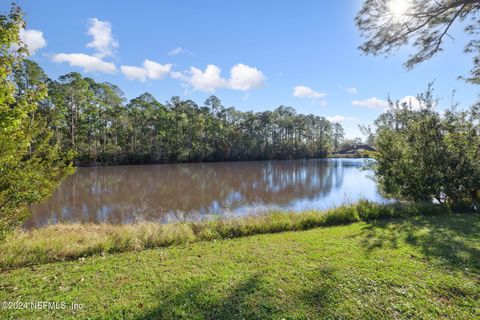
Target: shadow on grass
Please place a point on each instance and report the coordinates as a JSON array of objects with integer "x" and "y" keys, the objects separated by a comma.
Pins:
[
  {"x": 251, "y": 298},
  {"x": 201, "y": 301},
  {"x": 320, "y": 297},
  {"x": 453, "y": 240}
]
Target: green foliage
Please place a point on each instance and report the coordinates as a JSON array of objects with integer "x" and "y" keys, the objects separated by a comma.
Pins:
[
  {"x": 30, "y": 165},
  {"x": 423, "y": 156},
  {"x": 67, "y": 242},
  {"x": 338, "y": 135},
  {"x": 93, "y": 119}
]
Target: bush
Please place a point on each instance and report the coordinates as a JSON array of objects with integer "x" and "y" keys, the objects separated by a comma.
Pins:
[{"x": 422, "y": 156}]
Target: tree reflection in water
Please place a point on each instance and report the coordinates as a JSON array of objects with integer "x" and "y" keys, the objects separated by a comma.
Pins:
[{"x": 177, "y": 192}]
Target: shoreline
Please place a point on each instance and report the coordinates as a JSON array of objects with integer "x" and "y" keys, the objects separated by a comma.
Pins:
[
  {"x": 328, "y": 157},
  {"x": 75, "y": 241}
]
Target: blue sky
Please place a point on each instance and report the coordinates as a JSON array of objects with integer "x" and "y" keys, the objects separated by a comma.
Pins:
[{"x": 296, "y": 53}]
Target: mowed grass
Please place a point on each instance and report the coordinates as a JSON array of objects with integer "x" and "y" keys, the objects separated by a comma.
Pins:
[{"x": 424, "y": 267}]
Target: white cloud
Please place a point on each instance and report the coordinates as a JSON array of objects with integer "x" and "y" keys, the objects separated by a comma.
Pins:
[
  {"x": 372, "y": 102},
  {"x": 208, "y": 80},
  {"x": 150, "y": 70},
  {"x": 351, "y": 90},
  {"x": 245, "y": 78},
  {"x": 85, "y": 61},
  {"x": 179, "y": 50},
  {"x": 412, "y": 102},
  {"x": 176, "y": 51},
  {"x": 134, "y": 73},
  {"x": 339, "y": 119},
  {"x": 103, "y": 40},
  {"x": 242, "y": 77},
  {"x": 179, "y": 76},
  {"x": 33, "y": 39},
  {"x": 156, "y": 70},
  {"x": 307, "y": 92}
]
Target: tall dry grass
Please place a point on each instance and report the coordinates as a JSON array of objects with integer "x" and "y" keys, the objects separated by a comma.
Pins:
[{"x": 63, "y": 242}]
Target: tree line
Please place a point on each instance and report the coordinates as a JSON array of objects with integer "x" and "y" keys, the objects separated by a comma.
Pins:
[{"x": 95, "y": 121}]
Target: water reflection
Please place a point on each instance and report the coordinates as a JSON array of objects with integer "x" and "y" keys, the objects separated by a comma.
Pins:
[{"x": 165, "y": 193}]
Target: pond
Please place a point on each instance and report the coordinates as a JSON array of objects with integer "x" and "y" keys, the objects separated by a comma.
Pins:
[{"x": 178, "y": 192}]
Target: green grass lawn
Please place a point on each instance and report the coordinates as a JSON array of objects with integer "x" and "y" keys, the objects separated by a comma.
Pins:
[{"x": 415, "y": 268}]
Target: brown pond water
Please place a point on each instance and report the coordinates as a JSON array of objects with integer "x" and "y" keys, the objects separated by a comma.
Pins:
[{"x": 178, "y": 192}]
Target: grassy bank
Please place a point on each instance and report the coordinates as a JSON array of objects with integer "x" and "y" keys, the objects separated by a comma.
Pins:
[
  {"x": 71, "y": 242},
  {"x": 425, "y": 267}
]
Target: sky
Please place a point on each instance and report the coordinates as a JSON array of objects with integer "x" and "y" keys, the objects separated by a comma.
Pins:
[{"x": 254, "y": 55}]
